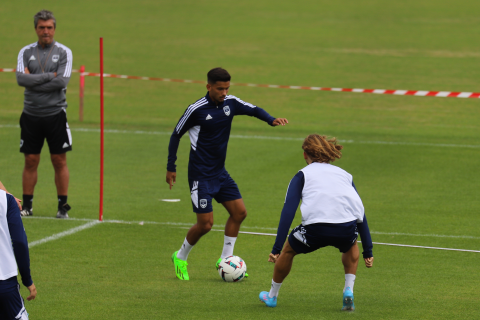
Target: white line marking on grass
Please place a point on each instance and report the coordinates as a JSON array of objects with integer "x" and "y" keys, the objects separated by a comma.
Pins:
[
  {"x": 380, "y": 243},
  {"x": 63, "y": 234},
  {"x": 250, "y": 227},
  {"x": 182, "y": 225},
  {"x": 420, "y": 144}
]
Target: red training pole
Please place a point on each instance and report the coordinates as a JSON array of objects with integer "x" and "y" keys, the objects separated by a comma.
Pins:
[
  {"x": 82, "y": 90},
  {"x": 101, "y": 130}
]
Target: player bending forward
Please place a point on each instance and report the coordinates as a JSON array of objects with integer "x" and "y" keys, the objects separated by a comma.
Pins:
[
  {"x": 332, "y": 212},
  {"x": 208, "y": 122}
]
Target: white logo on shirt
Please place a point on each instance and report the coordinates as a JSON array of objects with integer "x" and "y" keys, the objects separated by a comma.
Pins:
[
  {"x": 226, "y": 109},
  {"x": 32, "y": 58},
  {"x": 55, "y": 57},
  {"x": 209, "y": 117}
]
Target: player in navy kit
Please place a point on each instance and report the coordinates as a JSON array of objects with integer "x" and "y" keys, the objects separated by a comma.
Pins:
[
  {"x": 13, "y": 254},
  {"x": 332, "y": 215},
  {"x": 208, "y": 122}
]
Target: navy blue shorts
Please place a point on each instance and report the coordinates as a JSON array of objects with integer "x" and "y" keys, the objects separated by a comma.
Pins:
[
  {"x": 306, "y": 239},
  {"x": 221, "y": 189},
  {"x": 11, "y": 304}
]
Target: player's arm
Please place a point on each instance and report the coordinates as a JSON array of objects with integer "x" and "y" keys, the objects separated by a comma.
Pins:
[
  {"x": 24, "y": 78},
  {"x": 20, "y": 245},
  {"x": 185, "y": 123},
  {"x": 19, "y": 202},
  {"x": 245, "y": 108},
  {"x": 292, "y": 200},
  {"x": 60, "y": 81},
  {"x": 367, "y": 244}
]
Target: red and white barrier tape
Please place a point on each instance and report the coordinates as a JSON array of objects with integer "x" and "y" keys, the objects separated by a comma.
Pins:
[{"x": 418, "y": 93}]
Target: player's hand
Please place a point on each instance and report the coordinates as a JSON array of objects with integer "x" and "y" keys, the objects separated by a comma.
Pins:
[
  {"x": 368, "y": 262},
  {"x": 279, "y": 122},
  {"x": 19, "y": 202},
  {"x": 171, "y": 178},
  {"x": 273, "y": 257},
  {"x": 26, "y": 71},
  {"x": 54, "y": 74},
  {"x": 33, "y": 292}
]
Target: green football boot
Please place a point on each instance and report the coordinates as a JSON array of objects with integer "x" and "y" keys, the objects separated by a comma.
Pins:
[
  {"x": 220, "y": 260},
  {"x": 180, "y": 267}
]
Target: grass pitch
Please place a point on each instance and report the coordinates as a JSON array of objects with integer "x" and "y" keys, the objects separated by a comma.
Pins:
[{"x": 414, "y": 159}]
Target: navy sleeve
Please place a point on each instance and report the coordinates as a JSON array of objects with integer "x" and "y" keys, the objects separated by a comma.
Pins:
[
  {"x": 245, "y": 108},
  {"x": 364, "y": 231},
  {"x": 185, "y": 123},
  {"x": 19, "y": 240},
  {"x": 292, "y": 200}
]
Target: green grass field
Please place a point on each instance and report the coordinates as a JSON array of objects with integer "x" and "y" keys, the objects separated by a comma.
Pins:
[{"x": 414, "y": 159}]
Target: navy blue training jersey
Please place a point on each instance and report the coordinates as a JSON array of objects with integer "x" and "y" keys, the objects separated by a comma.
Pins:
[{"x": 209, "y": 128}]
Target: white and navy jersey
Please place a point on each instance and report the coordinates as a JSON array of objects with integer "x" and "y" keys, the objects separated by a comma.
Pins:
[
  {"x": 209, "y": 128},
  {"x": 332, "y": 204},
  {"x": 13, "y": 245},
  {"x": 44, "y": 92}
]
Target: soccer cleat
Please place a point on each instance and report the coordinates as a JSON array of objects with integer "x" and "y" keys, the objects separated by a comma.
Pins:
[
  {"x": 270, "y": 302},
  {"x": 348, "y": 300},
  {"x": 218, "y": 264},
  {"x": 26, "y": 212},
  {"x": 62, "y": 212},
  {"x": 180, "y": 267}
]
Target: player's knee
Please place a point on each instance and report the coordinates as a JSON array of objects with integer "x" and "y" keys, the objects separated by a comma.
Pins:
[
  {"x": 240, "y": 215},
  {"x": 206, "y": 227},
  {"x": 58, "y": 161},
  {"x": 32, "y": 161}
]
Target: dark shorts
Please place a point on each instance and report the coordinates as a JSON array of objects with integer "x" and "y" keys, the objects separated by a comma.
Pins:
[
  {"x": 53, "y": 128},
  {"x": 306, "y": 239},
  {"x": 11, "y": 305},
  {"x": 221, "y": 189}
]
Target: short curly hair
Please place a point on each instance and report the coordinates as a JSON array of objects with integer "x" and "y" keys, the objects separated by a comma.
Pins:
[{"x": 321, "y": 149}]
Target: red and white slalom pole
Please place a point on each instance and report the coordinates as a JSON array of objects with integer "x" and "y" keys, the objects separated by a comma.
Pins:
[
  {"x": 82, "y": 91},
  {"x": 101, "y": 130}
]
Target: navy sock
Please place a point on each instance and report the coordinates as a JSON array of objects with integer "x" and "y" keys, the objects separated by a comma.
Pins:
[
  {"x": 27, "y": 201},
  {"x": 61, "y": 201}
]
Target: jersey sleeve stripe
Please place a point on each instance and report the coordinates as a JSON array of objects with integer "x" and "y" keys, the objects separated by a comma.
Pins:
[
  {"x": 68, "y": 69},
  {"x": 189, "y": 112},
  {"x": 241, "y": 101},
  {"x": 20, "y": 65}
]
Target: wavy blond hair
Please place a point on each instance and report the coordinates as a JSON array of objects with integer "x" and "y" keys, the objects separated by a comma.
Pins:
[{"x": 321, "y": 149}]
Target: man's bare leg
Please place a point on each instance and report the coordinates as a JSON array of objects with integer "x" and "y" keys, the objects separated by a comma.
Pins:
[
  {"x": 284, "y": 263},
  {"x": 203, "y": 226},
  {"x": 62, "y": 175},
  {"x": 237, "y": 211},
  {"x": 30, "y": 174}
]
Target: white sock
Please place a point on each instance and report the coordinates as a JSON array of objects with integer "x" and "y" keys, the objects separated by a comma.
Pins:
[
  {"x": 349, "y": 281},
  {"x": 274, "y": 289},
  {"x": 228, "y": 244},
  {"x": 182, "y": 254}
]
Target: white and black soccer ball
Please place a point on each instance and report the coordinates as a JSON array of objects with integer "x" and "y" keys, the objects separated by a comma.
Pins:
[{"x": 232, "y": 269}]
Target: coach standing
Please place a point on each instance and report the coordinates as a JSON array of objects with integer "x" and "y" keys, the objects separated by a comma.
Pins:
[{"x": 44, "y": 69}]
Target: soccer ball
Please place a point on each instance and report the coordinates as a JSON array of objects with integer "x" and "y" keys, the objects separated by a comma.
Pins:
[{"x": 232, "y": 269}]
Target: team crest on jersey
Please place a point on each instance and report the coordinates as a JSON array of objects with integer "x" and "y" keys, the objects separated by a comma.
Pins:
[
  {"x": 203, "y": 203},
  {"x": 226, "y": 109},
  {"x": 55, "y": 57}
]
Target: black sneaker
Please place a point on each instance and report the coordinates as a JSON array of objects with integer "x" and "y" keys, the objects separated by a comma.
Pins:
[
  {"x": 26, "y": 212},
  {"x": 62, "y": 212}
]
